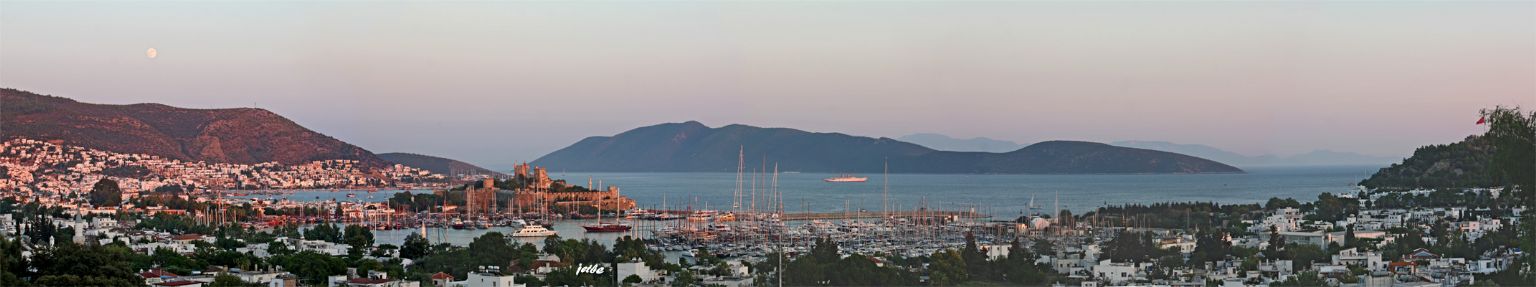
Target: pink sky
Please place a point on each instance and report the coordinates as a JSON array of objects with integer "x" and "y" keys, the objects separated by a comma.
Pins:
[{"x": 495, "y": 83}]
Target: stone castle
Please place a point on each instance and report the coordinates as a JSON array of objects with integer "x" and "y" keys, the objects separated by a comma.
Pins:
[{"x": 541, "y": 192}]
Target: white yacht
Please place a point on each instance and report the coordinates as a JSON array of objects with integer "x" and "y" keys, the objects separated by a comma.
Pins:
[{"x": 533, "y": 230}]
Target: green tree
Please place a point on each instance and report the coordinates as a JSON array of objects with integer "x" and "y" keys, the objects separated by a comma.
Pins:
[
  {"x": 13, "y": 266},
  {"x": 226, "y": 280},
  {"x": 686, "y": 279},
  {"x": 69, "y": 264},
  {"x": 1129, "y": 246},
  {"x": 106, "y": 193},
  {"x": 415, "y": 246},
  {"x": 278, "y": 248},
  {"x": 1210, "y": 245},
  {"x": 825, "y": 250},
  {"x": 490, "y": 249},
  {"x": 359, "y": 237},
  {"x": 1514, "y": 138},
  {"x": 324, "y": 232},
  {"x": 1276, "y": 242},
  {"x": 1307, "y": 278},
  {"x": 1303, "y": 255},
  {"x": 1043, "y": 247},
  {"x": 1020, "y": 268},
  {"x": 227, "y": 243},
  {"x": 975, "y": 261},
  {"x": 1349, "y": 236},
  {"x": 312, "y": 267},
  {"x": 947, "y": 268},
  {"x": 632, "y": 279}
]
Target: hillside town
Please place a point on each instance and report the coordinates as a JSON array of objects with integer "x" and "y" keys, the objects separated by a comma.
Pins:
[{"x": 36, "y": 166}]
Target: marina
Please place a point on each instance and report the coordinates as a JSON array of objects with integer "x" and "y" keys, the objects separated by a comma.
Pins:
[{"x": 759, "y": 214}]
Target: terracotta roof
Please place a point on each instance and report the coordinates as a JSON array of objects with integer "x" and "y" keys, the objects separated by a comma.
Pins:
[
  {"x": 369, "y": 281},
  {"x": 441, "y": 275},
  {"x": 1423, "y": 254},
  {"x": 193, "y": 236},
  {"x": 177, "y": 283}
]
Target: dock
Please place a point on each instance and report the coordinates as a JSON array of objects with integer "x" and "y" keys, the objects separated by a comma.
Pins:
[{"x": 876, "y": 214}]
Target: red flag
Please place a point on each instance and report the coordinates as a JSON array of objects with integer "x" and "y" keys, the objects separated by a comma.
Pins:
[{"x": 1482, "y": 120}]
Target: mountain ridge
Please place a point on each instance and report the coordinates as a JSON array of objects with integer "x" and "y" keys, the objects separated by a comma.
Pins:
[
  {"x": 232, "y": 135},
  {"x": 944, "y": 142},
  {"x": 436, "y": 164},
  {"x": 693, "y": 147},
  {"x": 1465, "y": 163}
]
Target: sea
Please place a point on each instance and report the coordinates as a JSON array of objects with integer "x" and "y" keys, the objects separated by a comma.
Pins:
[
  {"x": 1003, "y": 196},
  {"x": 1000, "y": 195}
]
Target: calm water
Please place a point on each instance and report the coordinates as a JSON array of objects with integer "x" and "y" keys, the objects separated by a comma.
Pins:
[
  {"x": 340, "y": 195},
  {"x": 1004, "y": 196},
  {"x": 565, "y": 228},
  {"x": 999, "y": 195}
]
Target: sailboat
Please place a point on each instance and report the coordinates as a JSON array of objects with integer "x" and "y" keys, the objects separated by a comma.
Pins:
[{"x": 604, "y": 227}]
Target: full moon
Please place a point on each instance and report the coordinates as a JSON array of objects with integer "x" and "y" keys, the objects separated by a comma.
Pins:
[{"x": 151, "y": 53}]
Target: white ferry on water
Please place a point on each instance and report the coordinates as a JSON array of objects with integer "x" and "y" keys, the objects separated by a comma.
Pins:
[{"x": 847, "y": 178}]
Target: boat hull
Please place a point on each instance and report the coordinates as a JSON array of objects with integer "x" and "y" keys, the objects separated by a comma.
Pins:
[{"x": 606, "y": 228}]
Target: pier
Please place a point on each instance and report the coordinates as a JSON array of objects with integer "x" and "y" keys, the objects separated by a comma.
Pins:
[
  {"x": 875, "y": 214},
  {"x": 801, "y": 216}
]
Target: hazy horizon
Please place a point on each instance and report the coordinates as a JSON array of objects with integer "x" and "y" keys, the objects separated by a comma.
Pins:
[{"x": 498, "y": 83}]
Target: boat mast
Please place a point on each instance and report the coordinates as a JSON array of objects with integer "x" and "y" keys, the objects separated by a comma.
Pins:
[
  {"x": 885, "y": 194},
  {"x": 777, "y": 198},
  {"x": 740, "y": 166},
  {"x": 752, "y": 205}
]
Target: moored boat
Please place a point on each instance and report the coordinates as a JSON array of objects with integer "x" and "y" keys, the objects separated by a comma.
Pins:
[
  {"x": 846, "y": 178},
  {"x": 533, "y": 230},
  {"x": 606, "y": 227}
]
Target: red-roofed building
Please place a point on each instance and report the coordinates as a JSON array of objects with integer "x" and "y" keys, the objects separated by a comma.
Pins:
[
  {"x": 372, "y": 282},
  {"x": 1402, "y": 267},
  {"x": 367, "y": 281},
  {"x": 156, "y": 276},
  {"x": 1422, "y": 254},
  {"x": 441, "y": 279},
  {"x": 179, "y": 283}
]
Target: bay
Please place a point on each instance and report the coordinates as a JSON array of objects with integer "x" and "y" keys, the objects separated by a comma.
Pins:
[{"x": 1002, "y": 196}]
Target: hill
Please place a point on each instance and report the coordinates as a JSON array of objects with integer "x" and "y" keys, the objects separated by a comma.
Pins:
[
  {"x": 694, "y": 147},
  {"x": 944, "y": 142},
  {"x": 239, "y": 135},
  {"x": 1460, "y": 164},
  {"x": 437, "y": 165},
  {"x": 1316, "y": 157}
]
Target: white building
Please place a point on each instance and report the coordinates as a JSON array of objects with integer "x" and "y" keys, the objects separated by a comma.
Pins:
[
  {"x": 637, "y": 269},
  {"x": 1370, "y": 260},
  {"x": 1117, "y": 273},
  {"x": 486, "y": 278}
]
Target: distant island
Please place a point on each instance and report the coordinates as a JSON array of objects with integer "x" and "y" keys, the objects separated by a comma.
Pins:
[
  {"x": 1312, "y": 158},
  {"x": 693, "y": 147}
]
